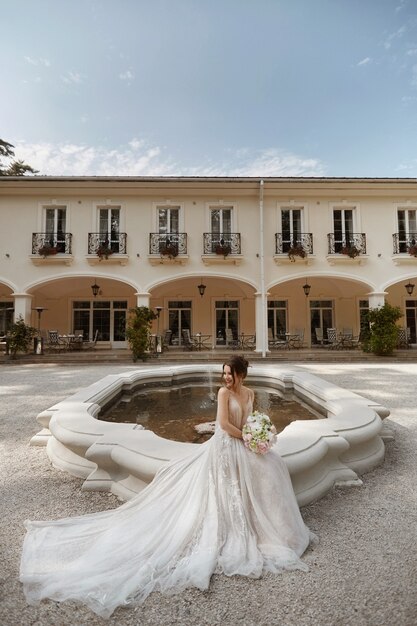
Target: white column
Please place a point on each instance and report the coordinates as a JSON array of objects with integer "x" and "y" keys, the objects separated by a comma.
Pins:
[
  {"x": 261, "y": 322},
  {"x": 143, "y": 299},
  {"x": 376, "y": 299},
  {"x": 23, "y": 307}
]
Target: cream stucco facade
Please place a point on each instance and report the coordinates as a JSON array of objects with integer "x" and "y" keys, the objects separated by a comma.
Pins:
[{"x": 162, "y": 235}]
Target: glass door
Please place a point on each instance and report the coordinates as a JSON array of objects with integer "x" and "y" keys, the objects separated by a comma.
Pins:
[
  {"x": 55, "y": 227},
  {"x": 411, "y": 319},
  {"x": 106, "y": 317},
  {"x": 221, "y": 227},
  {"x": 227, "y": 322},
  {"x": 321, "y": 316},
  {"x": 407, "y": 229},
  {"x": 277, "y": 319},
  {"x": 109, "y": 227},
  {"x": 343, "y": 228},
  {"x": 179, "y": 319},
  {"x": 290, "y": 228}
]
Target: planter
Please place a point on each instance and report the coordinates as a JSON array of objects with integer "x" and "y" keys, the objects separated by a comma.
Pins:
[
  {"x": 296, "y": 251},
  {"x": 412, "y": 250},
  {"x": 223, "y": 250},
  {"x": 103, "y": 252},
  {"x": 169, "y": 251},
  {"x": 47, "y": 251},
  {"x": 350, "y": 251}
]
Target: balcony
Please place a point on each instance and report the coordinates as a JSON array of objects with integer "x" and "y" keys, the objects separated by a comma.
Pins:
[
  {"x": 404, "y": 248},
  {"x": 291, "y": 250},
  {"x": 167, "y": 248},
  {"x": 348, "y": 249},
  {"x": 221, "y": 248},
  {"x": 52, "y": 248},
  {"x": 110, "y": 248}
]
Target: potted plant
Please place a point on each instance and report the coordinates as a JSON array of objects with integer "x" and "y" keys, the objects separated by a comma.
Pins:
[
  {"x": 223, "y": 249},
  {"x": 170, "y": 250},
  {"x": 296, "y": 250},
  {"x": 104, "y": 251},
  {"x": 412, "y": 250},
  {"x": 19, "y": 337},
  {"x": 350, "y": 250},
  {"x": 47, "y": 250},
  {"x": 138, "y": 330}
]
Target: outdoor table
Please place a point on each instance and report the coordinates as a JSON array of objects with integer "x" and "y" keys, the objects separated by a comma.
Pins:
[{"x": 202, "y": 342}]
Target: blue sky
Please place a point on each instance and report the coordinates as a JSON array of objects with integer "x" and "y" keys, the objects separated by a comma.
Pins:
[{"x": 211, "y": 87}]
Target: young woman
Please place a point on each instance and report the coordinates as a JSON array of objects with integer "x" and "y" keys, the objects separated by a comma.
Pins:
[{"x": 222, "y": 509}]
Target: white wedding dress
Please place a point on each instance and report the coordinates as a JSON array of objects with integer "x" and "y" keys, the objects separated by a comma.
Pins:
[{"x": 222, "y": 509}]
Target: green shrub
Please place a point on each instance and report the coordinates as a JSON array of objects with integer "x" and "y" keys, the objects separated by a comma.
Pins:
[
  {"x": 20, "y": 337},
  {"x": 383, "y": 330},
  {"x": 138, "y": 331}
]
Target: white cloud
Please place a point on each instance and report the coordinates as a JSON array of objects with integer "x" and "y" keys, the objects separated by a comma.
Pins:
[
  {"x": 71, "y": 78},
  {"x": 395, "y": 35},
  {"x": 37, "y": 62},
  {"x": 364, "y": 61},
  {"x": 140, "y": 159},
  {"x": 413, "y": 80},
  {"x": 128, "y": 76},
  {"x": 412, "y": 52}
]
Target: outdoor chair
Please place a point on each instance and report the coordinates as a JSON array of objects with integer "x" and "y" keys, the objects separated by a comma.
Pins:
[
  {"x": 333, "y": 338},
  {"x": 319, "y": 336},
  {"x": 231, "y": 342},
  {"x": 297, "y": 338},
  {"x": 89, "y": 345},
  {"x": 166, "y": 339},
  {"x": 53, "y": 341},
  {"x": 188, "y": 342}
]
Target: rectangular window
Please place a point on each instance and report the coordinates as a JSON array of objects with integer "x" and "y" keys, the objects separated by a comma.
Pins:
[
  {"x": 179, "y": 319},
  {"x": 6, "y": 316},
  {"x": 168, "y": 220},
  {"x": 106, "y": 316}
]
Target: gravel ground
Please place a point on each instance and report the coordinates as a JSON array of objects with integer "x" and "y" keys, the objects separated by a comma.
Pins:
[{"x": 363, "y": 571}]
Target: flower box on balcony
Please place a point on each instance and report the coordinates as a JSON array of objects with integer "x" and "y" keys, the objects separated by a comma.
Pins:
[
  {"x": 223, "y": 250},
  {"x": 412, "y": 250},
  {"x": 169, "y": 250},
  {"x": 296, "y": 250},
  {"x": 46, "y": 251},
  {"x": 103, "y": 252},
  {"x": 350, "y": 251}
]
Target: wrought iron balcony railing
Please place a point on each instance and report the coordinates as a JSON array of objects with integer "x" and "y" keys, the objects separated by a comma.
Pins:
[
  {"x": 351, "y": 244},
  {"x": 221, "y": 243},
  {"x": 113, "y": 243},
  {"x": 302, "y": 241},
  {"x": 46, "y": 244},
  {"x": 167, "y": 244},
  {"x": 403, "y": 242}
]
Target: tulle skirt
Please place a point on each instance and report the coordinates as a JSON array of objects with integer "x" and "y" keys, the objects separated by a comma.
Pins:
[{"x": 221, "y": 509}]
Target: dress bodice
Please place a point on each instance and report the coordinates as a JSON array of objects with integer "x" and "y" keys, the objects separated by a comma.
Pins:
[{"x": 238, "y": 412}]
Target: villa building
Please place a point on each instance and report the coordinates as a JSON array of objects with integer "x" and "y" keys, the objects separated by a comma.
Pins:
[{"x": 218, "y": 257}]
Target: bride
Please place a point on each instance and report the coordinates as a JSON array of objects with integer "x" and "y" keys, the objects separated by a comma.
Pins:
[{"x": 222, "y": 509}]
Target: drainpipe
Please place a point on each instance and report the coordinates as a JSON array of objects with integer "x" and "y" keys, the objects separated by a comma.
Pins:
[{"x": 262, "y": 265}]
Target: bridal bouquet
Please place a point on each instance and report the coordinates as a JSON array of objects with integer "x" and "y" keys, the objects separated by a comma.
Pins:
[{"x": 259, "y": 433}]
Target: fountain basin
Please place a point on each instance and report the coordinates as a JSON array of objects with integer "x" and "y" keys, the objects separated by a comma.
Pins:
[{"x": 123, "y": 458}]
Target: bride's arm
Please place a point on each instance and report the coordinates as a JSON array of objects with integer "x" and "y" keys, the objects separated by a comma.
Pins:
[{"x": 223, "y": 414}]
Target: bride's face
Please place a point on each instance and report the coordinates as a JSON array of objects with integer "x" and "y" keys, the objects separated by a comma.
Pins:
[{"x": 229, "y": 380}]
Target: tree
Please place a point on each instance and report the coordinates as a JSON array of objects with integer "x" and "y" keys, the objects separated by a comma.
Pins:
[
  {"x": 383, "y": 330},
  {"x": 14, "y": 168}
]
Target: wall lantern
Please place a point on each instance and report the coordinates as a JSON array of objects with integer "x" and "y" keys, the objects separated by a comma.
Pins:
[
  {"x": 201, "y": 289},
  {"x": 306, "y": 289},
  {"x": 95, "y": 288},
  {"x": 409, "y": 288}
]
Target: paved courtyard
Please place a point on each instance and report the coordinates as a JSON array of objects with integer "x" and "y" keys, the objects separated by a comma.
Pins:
[{"x": 362, "y": 573}]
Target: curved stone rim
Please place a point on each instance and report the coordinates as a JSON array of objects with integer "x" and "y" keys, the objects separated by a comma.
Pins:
[{"x": 123, "y": 459}]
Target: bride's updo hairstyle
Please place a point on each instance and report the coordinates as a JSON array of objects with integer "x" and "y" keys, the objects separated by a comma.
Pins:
[{"x": 238, "y": 366}]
